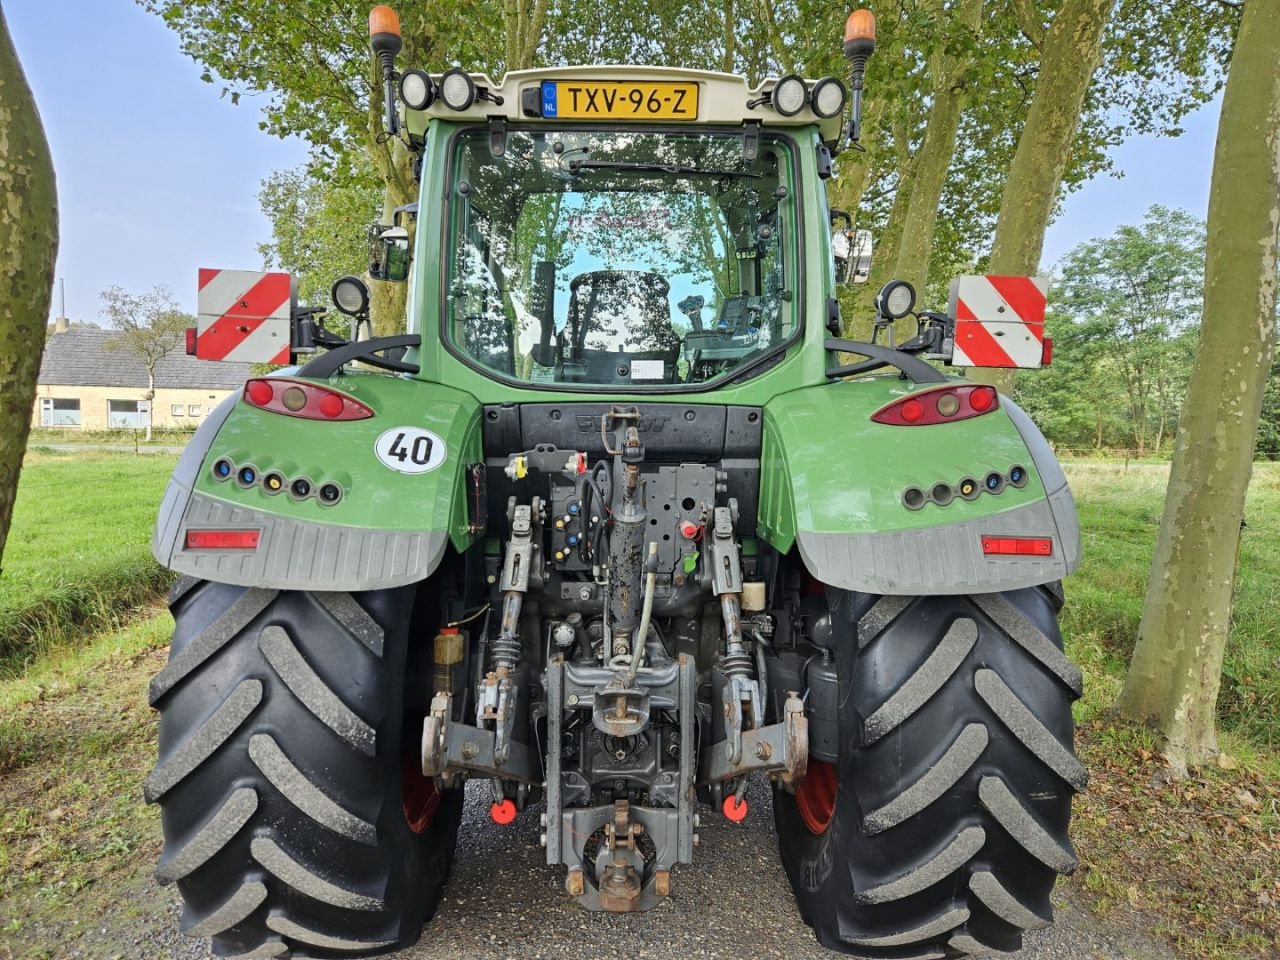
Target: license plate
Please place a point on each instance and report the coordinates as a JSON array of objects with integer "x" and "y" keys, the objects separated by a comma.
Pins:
[{"x": 619, "y": 100}]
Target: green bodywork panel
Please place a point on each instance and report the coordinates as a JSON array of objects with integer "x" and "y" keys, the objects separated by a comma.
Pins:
[
  {"x": 827, "y": 468},
  {"x": 376, "y": 497}
]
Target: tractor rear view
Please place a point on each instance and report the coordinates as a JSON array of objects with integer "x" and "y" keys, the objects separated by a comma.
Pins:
[{"x": 620, "y": 522}]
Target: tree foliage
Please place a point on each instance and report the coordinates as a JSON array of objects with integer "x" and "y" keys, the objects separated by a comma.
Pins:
[
  {"x": 316, "y": 226},
  {"x": 1135, "y": 294},
  {"x": 148, "y": 325}
]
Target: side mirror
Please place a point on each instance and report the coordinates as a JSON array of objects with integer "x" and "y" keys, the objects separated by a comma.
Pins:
[
  {"x": 389, "y": 253},
  {"x": 852, "y": 251}
]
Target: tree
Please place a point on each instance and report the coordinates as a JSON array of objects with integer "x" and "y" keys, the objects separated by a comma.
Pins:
[
  {"x": 1071, "y": 51},
  {"x": 953, "y": 64},
  {"x": 28, "y": 247},
  {"x": 1135, "y": 293},
  {"x": 1078, "y": 402},
  {"x": 312, "y": 60},
  {"x": 150, "y": 326},
  {"x": 1176, "y": 671},
  {"x": 1269, "y": 422},
  {"x": 315, "y": 227}
]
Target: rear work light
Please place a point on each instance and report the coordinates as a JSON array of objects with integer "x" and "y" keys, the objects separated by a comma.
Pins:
[
  {"x": 222, "y": 539},
  {"x": 295, "y": 398},
  {"x": 1017, "y": 546},
  {"x": 941, "y": 405}
]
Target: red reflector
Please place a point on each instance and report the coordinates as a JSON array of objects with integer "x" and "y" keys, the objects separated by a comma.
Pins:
[
  {"x": 191, "y": 341},
  {"x": 1046, "y": 352},
  {"x": 1017, "y": 546},
  {"x": 299, "y": 398},
  {"x": 912, "y": 410},
  {"x": 222, "y": 539},
  {"x": 503, "y": 812},
  {"x": 735, "y": 810}
]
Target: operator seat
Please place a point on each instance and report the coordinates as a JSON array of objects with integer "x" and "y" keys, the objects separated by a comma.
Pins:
[{"x": 618, "y": 330}]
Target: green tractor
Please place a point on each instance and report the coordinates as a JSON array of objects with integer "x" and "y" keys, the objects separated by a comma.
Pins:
[{"x": 620, "y": 522}]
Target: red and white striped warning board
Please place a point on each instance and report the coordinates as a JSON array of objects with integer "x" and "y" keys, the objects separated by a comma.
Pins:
[
  {"x": 999, "y": 321},
  {"x": 243, "y": 315}
]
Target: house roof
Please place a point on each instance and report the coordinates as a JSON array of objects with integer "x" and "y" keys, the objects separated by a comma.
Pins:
[{"x": 80, "y": 357}]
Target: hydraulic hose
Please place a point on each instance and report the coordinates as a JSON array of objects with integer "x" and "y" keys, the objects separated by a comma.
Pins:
[{"x": 646, "y": 612}]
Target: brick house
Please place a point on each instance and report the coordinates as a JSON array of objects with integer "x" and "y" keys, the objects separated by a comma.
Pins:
[{"x": 84, "y": 385}]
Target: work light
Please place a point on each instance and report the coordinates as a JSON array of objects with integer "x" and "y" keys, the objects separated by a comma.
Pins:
[
  {"x": 351, "y": 296},
  {"x": 895, "y": 299},
  {"x": 417, "y": 90},
  {"x": 827, "y": 98},
  {"x": 457, "y": 89},
  {"x": 789, "y": 95}
]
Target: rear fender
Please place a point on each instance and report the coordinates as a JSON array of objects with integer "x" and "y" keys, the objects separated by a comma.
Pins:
[
  {"x": 832, "y": 485},
  {"x": 389, "y": 528}
]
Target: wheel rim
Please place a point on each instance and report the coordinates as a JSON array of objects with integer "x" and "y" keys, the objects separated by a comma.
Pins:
[
  {"x": 816, "y": 796},
  {"x": 419, "y": 795}
]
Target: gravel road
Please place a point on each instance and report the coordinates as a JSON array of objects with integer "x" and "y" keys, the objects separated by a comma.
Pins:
[{"x": 503, "y": 901}]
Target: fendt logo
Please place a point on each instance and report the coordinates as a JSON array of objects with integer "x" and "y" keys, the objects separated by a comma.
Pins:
[{"x": 644, "y": 424}]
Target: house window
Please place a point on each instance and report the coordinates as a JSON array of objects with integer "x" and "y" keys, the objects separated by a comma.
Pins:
[
  {"x": 124, "y": 415},
  {"x": 177, "y": 410},
  {"x": 59, "y": 412},
  {"x": 193, "y": 410}
]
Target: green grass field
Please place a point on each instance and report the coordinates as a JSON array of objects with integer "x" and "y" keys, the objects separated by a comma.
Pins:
[
  {"x": 78, "y": 555},
  {"x": 1120, "y": 511}
]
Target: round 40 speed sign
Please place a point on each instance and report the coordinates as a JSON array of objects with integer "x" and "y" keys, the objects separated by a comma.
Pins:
[{"x": 410, "y": 450}]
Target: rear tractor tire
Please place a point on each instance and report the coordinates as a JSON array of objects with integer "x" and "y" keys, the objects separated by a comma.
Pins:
[
  {"x": 294, "y": 816},
  {"x": 942, "y": 828}
]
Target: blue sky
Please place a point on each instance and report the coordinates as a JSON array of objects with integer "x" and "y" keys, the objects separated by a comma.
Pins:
[{"x": 158, "y": 175}]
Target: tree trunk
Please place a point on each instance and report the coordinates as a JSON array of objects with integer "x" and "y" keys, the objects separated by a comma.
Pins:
[
  {"x": 151, "y": 401},
  {"x": 394, "y": 164},
  {"x": 1071, "y": 52},
  {"x": 885, "y": 256},
  {"x": 523, "y": 21},
  {"x": 730, "y": 37},
  {"x": 939, "y": 145},
  {"x": 28, "y": 247},
  {"x": 1176, "y": 670}
]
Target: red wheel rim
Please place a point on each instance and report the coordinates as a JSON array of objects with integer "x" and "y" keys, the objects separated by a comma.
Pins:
[
  {"x": 816, "y": 796},
  {"x": 418, "y": 795}
]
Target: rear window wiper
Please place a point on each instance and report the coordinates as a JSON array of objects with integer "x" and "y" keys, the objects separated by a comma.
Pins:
[{"x": 578, "y": 166}]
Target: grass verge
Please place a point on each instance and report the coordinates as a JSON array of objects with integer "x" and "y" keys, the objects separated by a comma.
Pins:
[
  {"x": 1120, "y": 512},
  {"x": 76, "y": 741},
  {"x": 79, "y": 550},
  {"x": 129, "y": 438}
]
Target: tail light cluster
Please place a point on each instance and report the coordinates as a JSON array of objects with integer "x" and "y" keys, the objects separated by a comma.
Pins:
[
  {"x": 942, "y": 405},
  {"x": 294, "y": 398}
]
